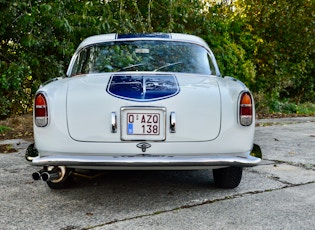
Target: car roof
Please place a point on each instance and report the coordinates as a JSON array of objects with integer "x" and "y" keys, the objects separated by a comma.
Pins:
[{"x": 147, "y": 36}]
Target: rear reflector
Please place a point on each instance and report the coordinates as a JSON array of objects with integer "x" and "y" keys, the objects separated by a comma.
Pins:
[
  {"x": 246, "y": 109},
  {"x": 41, "y": 110}
]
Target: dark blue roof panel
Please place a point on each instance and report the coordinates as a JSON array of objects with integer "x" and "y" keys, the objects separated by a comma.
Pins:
[{"x": 151, "y": 35}]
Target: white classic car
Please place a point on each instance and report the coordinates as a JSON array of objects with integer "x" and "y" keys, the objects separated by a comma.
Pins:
[{"x": 143, "y": 101}]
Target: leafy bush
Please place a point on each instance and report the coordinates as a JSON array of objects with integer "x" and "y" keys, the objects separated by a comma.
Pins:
[{"x": 267, "y": 44}]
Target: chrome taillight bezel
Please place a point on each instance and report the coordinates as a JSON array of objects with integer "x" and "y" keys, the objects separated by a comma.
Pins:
[
  {"x": 245, "y": 111},
  {"x": 41, "y": 116}
]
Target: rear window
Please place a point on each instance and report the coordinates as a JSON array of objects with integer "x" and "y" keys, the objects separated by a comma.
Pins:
[{"x": 152, "y": 55}]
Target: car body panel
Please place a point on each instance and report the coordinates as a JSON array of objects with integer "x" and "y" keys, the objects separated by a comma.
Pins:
[
  {"x": 88, "y": 114},
  {"x": 58, "y": 142}
]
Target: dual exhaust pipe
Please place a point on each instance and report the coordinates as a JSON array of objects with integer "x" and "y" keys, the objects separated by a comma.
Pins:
[
  {"x": 46, "y": 175},
  {"x": 56, "y": 174}
]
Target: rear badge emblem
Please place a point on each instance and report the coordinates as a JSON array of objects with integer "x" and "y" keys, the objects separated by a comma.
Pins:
[{"x": 143, "y": 146}]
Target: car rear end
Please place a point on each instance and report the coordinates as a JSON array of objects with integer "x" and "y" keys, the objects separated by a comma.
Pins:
[{"x": 144, "y": 114}]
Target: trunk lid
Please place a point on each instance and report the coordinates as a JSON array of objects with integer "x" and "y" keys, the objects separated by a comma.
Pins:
[{"x": 193, "y": 101}]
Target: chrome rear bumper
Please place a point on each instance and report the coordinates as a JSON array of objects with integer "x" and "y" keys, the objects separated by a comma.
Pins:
[{"x": 145, "y": 161}]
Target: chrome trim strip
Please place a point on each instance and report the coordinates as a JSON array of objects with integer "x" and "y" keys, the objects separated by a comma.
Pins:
[{"x": 146, "y": 160}]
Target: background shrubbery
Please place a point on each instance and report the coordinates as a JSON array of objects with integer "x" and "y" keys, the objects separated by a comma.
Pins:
[{"x": 267, "y": 44}]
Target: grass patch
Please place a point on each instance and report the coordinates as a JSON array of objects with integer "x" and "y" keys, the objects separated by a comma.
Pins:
[
  {"x": 306, "y": 108},
  {"x": 285, "y": 109},
  {"x": 4, "y": 129},
  {"x": 292, "y": 108}
]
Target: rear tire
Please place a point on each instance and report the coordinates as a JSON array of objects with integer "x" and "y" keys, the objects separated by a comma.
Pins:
[{"x": 229, "y": 177}]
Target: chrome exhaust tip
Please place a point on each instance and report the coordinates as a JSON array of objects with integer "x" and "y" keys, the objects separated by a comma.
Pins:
[
  {"x": 49, "y": 176},
  {"x": 53, "y": 174},
  {"x": 36, "y": 176}
]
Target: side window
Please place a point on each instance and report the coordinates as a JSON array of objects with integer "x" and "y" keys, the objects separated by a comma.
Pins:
[
  {"x": 212, "y": 67},
  {"x": 79, "y": 66}
]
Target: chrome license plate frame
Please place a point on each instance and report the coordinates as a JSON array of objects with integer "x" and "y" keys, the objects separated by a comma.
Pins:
[{"x": 143, "y": 123}]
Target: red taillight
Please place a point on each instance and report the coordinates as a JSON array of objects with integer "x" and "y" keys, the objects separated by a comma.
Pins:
[
  {"x": 246, "y": 109},
  {"x": 41, "y": 110}
]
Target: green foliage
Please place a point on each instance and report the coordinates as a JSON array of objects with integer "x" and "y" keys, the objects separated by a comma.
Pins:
[
  {"x": 267, "y": 44},
  {"x": 3, "y": 129},
  {"x": 285, "y": 51},
  {"x": 291, "y": 108},
  {"x": 266, "y": 105}
]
